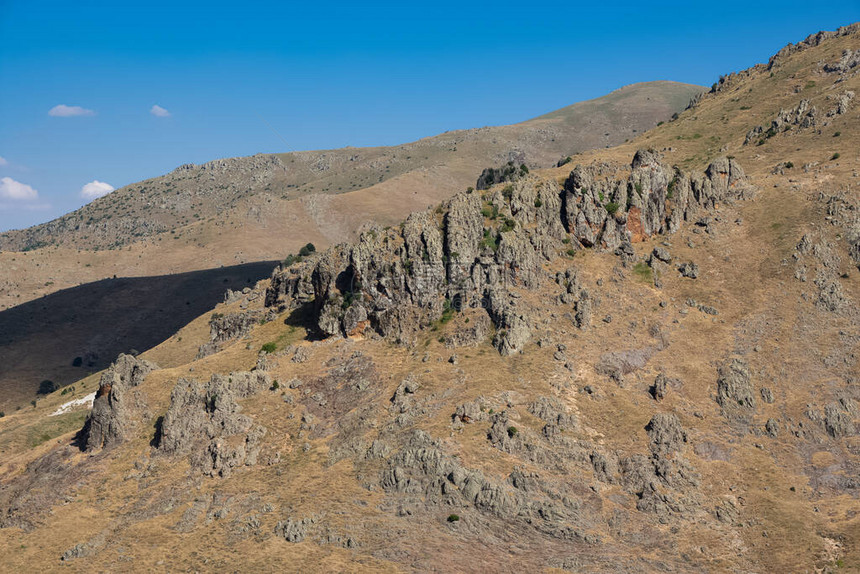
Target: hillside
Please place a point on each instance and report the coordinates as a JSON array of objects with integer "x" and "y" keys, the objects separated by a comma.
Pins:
[
  {"x": 642, "y": 361},
  {"x": 226, "y": 212}
]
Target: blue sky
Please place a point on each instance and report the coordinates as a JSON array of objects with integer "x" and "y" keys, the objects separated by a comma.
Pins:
[{"x": 240, "y": 78}]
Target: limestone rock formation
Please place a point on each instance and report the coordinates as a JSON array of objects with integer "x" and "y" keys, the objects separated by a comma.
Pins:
[
  {"x": 204, "y": 420},
  {"x": 476, "y": 250},
  {"x": 118, "y": 407},
  {"x": 227, "y": 327}
]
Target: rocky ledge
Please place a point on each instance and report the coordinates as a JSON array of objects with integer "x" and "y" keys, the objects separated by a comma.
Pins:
[{"x": 480, "y": 249}]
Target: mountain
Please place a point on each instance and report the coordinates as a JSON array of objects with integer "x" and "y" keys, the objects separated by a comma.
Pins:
[
  {"x": 226, "y": 212},
  {"x": 642, "y": 360}
]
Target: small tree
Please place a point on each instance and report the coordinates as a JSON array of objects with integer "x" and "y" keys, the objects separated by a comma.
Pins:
[
  {"x": 47, "y": 387},
  {"x": 307, "y": 250}
]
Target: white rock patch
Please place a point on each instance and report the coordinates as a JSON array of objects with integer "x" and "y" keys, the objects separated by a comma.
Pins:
[{"x": 66, "y": 407}]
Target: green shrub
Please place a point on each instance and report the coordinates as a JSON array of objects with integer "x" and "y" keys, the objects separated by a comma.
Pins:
[
  {"x": 837, "y": 134},
  {"x": 612, "y": 207},
  {"x": 571, "y": 252},
  {"x": 490, "y": 211},
  {"x": 307, "y": 250},
  {"x": 275, "y": 385},
  {"x": 834, "y": 157},
  {"x": 508, "y": 225},
  {"x": 512, "y": 432},
  {"x": 538, "y": 202},
  {"x": 46, "y": 387},
  {"x": 453, "y": 518},
  {"x": 524, "y": 169},
  {"x": 788, "y": 165},
  {"x": 490, "y": 240},
  {"x": 269, "y": 347}
]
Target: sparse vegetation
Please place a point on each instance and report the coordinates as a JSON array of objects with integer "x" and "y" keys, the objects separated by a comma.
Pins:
[
  {"x": 611, "y": 208},
  {"x": 453, "y": 518},
  {"x": 269, "y": 347},
  {"x": 835, "y": 156},
  {"x": 643, "y": 272},
  {"x": 490, "y": 240}
]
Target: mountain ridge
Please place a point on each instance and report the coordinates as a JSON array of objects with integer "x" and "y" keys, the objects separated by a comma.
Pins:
[{"x": 676, "y": 401}]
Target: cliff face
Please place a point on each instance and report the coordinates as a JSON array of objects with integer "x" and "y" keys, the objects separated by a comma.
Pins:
[{"x": 474, "y": 249}]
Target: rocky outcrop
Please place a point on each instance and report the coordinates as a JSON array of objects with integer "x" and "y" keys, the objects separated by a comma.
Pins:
[
  {"x": 652, "y": 199},
  {"x": 227, "y": 327},
  {"x": 802, "y": 116},
  {"x": 811, "y": 41},
  {"x": 118, "y": 406},
  {"x": 478, "y": 249},
  {"x": 734, "y": 387},
  {"x": 204, "y": 420},
  {"x": 849, "y": 60}
]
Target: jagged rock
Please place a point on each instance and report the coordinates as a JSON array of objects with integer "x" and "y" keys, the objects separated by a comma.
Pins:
[
  {"x": 77, "y": 551},
  {"x": 118, "y": 406},
  {"x": 849, "y": 60},
  {"x": 772, "y": 428},
  {"x": 843, "y": 101},
  {"x": 295, "y": 530},
  {"x": 470, "y": 334},
  {"x": 227, "y": 327},
  {"x": 707, "y": 310},
  {"x": 605, "y": 467},
  {"x": 553, "y": 412},
  {"x": 767, "y": 395},
  {"x": 665, "y": 433},
  {"x": 205, "y": 420},
  {"x": 471, "y": 412},
  {"x": 734, "y": 386},
  {"x": 838, "y": 419},
  {"x": 583, "y": 308},
  {"x": 690, "y": 270},
  {"x": 661, "y": 254},
  {"x": 661, "y": 386},
  {"x": 727, "y": 511},
  {"x": 397, "y": 282}
]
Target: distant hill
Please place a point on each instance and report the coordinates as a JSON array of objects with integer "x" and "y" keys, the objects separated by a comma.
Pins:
[{"x": 229, "y": 211}]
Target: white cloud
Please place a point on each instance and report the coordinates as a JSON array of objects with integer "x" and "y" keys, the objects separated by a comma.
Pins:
[
  {"x": 64, "y": 111},
  {"x": 159, "y": 112},
  {"x": 3, "y": 161},
  {"x": 17, "y": 191},
  {"x": 95, "y": 189}
]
